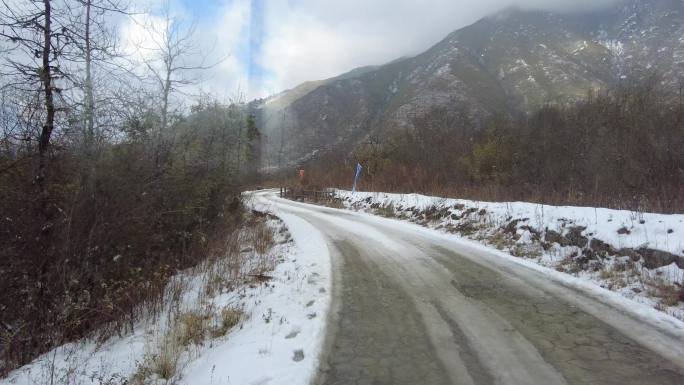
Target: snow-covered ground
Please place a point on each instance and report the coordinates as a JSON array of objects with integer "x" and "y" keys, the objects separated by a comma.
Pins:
[
  {"x": 639, "y": 255},
  {"x": 277, "y": 340},
  {"x": 281, "y": 334}
]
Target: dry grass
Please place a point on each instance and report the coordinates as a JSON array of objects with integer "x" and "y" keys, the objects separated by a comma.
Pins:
[
  {"x": 228, "y": 319},
  {"x": 223, "y": 273},
  {"x": 334, "y": 203},
  {"x": 164, "y": 356},
  {"x": 191, "y": 327},
  {"x": 527, "y": 251},
  {"x": 261, "y": 237},
  {"x": 467, "y": 227},
  {"x": 670, "y": 294},
  {"x": 607, "y": 274},
  {"x": 171, "y": 349},
  {"x": 386, "y": 211},
  {"x": 500, "y": 240},
  {"x": 162, "y": 360},
  {"x": 165, "y": 364},
  {"x": 569, "y": 265}
]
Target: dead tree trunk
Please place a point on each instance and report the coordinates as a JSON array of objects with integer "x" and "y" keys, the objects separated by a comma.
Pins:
[
  {"x": 49, "y": 124},
  {"x": 89, "y": 137}
]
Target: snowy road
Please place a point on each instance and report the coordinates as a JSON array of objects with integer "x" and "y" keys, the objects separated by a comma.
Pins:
[{"x": 412, "y": 306}]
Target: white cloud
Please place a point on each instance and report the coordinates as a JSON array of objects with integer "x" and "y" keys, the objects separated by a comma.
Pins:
[
  {"x": 214, "y": 44},
  {"x": 313, "y": 39},
  {"x": 226, "y": 37}
]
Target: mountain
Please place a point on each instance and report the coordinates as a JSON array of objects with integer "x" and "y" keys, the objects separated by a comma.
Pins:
[{"x": 513, "y": 61}]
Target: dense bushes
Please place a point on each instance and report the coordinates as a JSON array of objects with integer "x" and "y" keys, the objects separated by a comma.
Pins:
[
  {"x": 118, "y": 230},
  {"x": 622, "y": 148},
  {"x": 107, "y": 185}
]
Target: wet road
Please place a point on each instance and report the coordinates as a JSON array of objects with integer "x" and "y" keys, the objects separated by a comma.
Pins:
[{"x": 414, "y": 307}]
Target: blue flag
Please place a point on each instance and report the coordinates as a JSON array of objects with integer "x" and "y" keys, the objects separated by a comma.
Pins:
[{"x": 356, "y": 178}]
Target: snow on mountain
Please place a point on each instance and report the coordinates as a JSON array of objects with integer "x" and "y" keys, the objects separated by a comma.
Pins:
[{"x": 513, "y": 61}]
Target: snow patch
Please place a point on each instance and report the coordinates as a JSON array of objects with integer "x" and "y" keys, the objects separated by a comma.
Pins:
[{"x": 596, "y": 245}]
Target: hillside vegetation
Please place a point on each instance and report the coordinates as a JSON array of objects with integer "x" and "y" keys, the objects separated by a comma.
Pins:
[
  {"x": 108, "y": 186},
  {"x": 513, "y": 62},
  {"x": 622, "y": 148}
]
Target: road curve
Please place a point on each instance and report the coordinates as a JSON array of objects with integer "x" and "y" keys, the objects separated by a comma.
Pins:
[{"x": 411, "y": 306}]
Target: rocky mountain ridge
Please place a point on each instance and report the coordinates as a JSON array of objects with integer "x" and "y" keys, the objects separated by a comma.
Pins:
[{"x": 513, "y": 61}]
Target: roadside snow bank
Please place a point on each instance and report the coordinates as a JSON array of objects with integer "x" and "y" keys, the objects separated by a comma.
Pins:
[
  {"x": 283, "y": 341},
  {"x": 639, "y": 255},
  {"x": 282, "y": 298}
]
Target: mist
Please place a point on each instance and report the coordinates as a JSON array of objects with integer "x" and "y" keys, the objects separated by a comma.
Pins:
[
  {"x": 316, "y": 40},
  {"x": 273, "y": 45}
]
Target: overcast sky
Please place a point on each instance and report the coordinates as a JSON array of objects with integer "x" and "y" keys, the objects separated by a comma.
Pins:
[{"x": 274, "y": 45}]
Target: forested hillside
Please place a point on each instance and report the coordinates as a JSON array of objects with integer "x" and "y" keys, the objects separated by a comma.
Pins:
[
  {"x": 513, "y": 62},
  {"x": 579, "y": 108},
  {"x": 619, "y": 148}
]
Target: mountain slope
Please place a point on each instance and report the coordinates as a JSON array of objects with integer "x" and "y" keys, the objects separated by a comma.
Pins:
[{"x": 512, "y": 61}]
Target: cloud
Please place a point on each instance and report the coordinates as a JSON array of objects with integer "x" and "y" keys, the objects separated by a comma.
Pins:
[
  {"x": 300, "y": 40},
  {"x": 217, "y": 42}
]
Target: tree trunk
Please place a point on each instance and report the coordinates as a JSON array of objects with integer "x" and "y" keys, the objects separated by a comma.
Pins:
[
  {"x": 239, "y": 147},
  {"x": 48, "y": 126},
  {"x": 165, "y": 102},
  {"x": 45, "y": 244},
  {"x": 164, "y": 114},
  {"x": 89, "y": 137}
]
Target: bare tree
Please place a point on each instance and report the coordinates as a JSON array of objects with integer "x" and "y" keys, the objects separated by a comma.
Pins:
[
  {"x": 95, "y": 43},
  {"x": 172, "y": 55},
  {"x": 38, "y": 42},
  {"x": 57, "y": 233}
]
